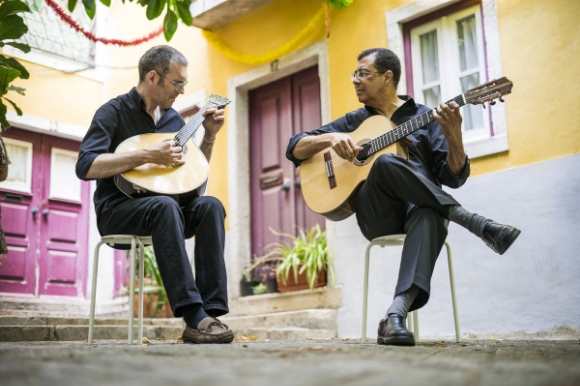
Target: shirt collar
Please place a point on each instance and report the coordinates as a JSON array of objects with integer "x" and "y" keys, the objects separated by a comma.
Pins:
[{"x": 408, "y": 107}]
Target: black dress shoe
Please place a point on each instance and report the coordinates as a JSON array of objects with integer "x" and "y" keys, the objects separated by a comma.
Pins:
[
  {"x": 499, "y": 237},
  {"x": 393, "y": 332}
]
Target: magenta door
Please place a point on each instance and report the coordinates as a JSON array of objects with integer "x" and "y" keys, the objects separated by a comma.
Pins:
[
  {"x": 278, "y": 111},
  {"x": 47, "y": 239}
]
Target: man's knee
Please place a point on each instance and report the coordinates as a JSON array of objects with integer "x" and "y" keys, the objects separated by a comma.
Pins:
[
  {"x": 211, "y": 205},
  {"x": 431, "y": 218},
  {"x": 387, "y": 163}
]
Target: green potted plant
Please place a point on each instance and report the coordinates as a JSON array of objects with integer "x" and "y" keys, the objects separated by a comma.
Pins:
[
  {"x": 304, "y": 263},
  {"x": 155, "y": 303}
]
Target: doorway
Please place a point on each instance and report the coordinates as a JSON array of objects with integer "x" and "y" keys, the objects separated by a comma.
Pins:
[
  {"x": 279, "y": 110},
  {"x": 45, "y": 210}
]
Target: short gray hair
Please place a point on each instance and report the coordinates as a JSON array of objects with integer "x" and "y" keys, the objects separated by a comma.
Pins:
[{"x": 159, "y": 58}]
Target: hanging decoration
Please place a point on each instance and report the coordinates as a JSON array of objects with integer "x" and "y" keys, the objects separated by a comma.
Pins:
[
  {"x": 89, "y": 35},
  {"x": 340, "y": 3},
  {"x": 285, "y": 49}
]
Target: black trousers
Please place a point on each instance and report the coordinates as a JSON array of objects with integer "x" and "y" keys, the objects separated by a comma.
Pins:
[
  {"x": 169, "y": 225},
  {"x": 398, "y": 198}
]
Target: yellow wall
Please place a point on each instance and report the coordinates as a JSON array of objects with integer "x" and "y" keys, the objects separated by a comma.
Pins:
[{"x": 539, "y": 46}]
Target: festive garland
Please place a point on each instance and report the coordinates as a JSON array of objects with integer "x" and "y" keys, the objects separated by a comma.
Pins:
[
  {"x": 73, "y": 24},
  {"x": 274, "y": 54}
]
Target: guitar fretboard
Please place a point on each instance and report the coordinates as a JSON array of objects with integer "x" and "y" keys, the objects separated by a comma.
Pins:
[
  {"x": 191, "y": 127},
  {"x": 401, "y": 131}
]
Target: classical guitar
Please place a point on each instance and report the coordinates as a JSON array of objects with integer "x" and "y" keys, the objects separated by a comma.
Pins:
[
  {"x": 330, "y": 183},
  {"x": 182, "y": 182}
]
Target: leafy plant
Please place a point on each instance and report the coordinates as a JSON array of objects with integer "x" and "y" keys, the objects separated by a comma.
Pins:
[
  {"x": 175, "y": 10},
  {"x": 11, "y": 27},
  {"x": 154, "y": 285},
  {"x": 260, "y": 289},
  {"x": 308, "y": 253}
]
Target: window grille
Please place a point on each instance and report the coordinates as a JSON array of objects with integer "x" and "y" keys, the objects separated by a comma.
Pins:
[{"x": 49, "y": 35}]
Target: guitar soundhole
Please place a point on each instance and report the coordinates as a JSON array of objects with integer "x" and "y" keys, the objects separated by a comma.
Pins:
[{"x": 363, "y": 159}]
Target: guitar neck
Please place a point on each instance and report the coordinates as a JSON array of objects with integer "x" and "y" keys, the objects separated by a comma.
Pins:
[
  {"x": 191, "y": 127},
  {"x": 402, "y": 130}
]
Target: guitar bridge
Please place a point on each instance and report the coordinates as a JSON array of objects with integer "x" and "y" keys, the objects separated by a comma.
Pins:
[
  {"x": 329, "y": 170},
  {"x": 139, "y": 189}
]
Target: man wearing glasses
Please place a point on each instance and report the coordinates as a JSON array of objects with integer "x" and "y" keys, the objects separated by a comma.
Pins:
[
  {"x": 401, "y": 196},
  {"x": 147, "y": 109}
]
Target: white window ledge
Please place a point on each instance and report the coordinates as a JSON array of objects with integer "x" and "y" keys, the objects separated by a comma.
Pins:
[
  {"x": 46, "y": 126},
  {"x": 214, "y": 14},
  {"x": 486, "y": 146}
]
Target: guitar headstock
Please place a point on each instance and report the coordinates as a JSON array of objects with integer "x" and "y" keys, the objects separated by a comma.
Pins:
[
  {"x": 489, "y": 91},
  {"x": 219, "y": 101}
]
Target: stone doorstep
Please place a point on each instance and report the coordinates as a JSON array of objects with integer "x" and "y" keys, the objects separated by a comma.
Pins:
[
  {"x": 318, "y": 298},
  {"x": 60, "y": 321},
  {"x": 307, "y": 319},
  {"x": 287, "y": 333}
]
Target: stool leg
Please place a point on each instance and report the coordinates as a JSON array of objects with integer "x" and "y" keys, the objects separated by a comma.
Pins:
[
  {"x": 410, "y": 321},
  {"x": 365, "y": 294},
  {"x": 94, "y": 292},
  {"x": 416, "y": 325},
  {"x": 453, "y": 299},
  {"x": 131, "y": 290},
  {"x": 141, "y": 276}
]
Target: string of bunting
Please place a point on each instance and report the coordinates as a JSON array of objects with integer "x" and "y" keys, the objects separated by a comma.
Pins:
[{"x": 89, "y": 35}]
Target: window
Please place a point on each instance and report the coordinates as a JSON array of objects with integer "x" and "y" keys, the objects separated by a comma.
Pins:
[
  {"x": 20, "y": 169},
  {"x": 50, "y": 37},
  {"x": 447, "y": 47},
  {"x": 448, "y": 60}
]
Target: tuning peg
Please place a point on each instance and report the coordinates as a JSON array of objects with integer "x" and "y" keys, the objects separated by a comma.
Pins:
[
  {"x": 492, "y": 103},
  {"x": 483, "y": 104},
  {"x": 501, "y": 99}
]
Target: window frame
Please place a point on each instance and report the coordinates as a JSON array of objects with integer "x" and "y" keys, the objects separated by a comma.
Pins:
[
  {"x": 25, "y": 187},
  {"x": 448, "y": 57},
  {"x": 418, "y": 12}
]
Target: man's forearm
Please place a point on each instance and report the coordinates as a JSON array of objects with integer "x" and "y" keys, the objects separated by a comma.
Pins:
[
  {"x": 456, "y": 158},
  {"x": 109, "y": 164},
  {"x": 310, "y": 145}
]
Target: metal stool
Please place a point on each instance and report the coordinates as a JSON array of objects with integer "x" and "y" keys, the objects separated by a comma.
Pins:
[
  {"x": 413, "y": 318},
  {"x": 112, "y": 240}
]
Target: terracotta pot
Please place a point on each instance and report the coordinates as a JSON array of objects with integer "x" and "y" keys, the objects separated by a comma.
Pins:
[
  {"x": 149, "y": 306},
  {"x": 301, "y": 283}
]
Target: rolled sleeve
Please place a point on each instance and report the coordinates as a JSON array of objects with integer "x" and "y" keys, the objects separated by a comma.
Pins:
[
  {"x": 449, "y": 179},
  {"x": 98, "y": 139}
]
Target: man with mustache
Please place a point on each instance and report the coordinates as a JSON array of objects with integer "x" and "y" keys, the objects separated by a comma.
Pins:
[
  {"x": 401, "y": 196},
  {"x": 147, "y": 109}
]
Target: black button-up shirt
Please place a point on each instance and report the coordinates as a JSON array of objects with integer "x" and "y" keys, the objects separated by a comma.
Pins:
[
  {"x": 428, "y": 151},
  {"x": 120, "y": 118}
]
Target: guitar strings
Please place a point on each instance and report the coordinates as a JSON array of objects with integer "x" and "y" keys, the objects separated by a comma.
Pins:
[{"x": 397, "y": 133}]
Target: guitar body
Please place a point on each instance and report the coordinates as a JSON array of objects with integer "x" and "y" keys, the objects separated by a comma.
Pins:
[
  {"x": 338, "y": 203},
  {"x": 182, "y": 183}
]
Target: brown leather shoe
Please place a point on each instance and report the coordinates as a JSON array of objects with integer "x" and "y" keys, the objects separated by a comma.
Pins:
[{"x": 209, "y": 330}]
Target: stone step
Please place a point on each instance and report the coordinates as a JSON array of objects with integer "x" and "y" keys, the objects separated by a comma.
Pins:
[
  {"x": 284, "y": 333},
  {"x": 322, "y": 319},
  {"x": 76, "y": 332},
  {"x": 318, "y": 298},
  {"x": 7, "y": 320}
]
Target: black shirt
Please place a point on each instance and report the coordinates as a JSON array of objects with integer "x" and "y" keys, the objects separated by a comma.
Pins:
[
  {"x": 428, "y": 151},
  {"x": 120, "y": 118}
]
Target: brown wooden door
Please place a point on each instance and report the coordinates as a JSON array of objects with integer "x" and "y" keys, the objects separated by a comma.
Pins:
[{"x": 278, "y": 111}]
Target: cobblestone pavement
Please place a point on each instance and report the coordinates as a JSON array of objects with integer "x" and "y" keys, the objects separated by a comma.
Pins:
[{"x": 280, "y": 363}]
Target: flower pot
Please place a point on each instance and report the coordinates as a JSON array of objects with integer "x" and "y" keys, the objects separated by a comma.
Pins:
[
  {"x": 271, "y": 284},
  {"x": 246, "y": 287},
  {"x": 150, "y": 302},
  {"x": 301, "y": 283}
]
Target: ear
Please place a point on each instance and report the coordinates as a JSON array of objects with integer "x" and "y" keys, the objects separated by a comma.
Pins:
[
  {"x": 152, "y": 77},
  {"x": 388, "y": 76}
]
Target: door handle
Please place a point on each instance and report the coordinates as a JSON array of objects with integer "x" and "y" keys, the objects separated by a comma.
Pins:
[
  {"x": 45, "y": 213},
  {"x": 286, "y": 185},
  {"x": 34, "y": 212},
  {"x": 297, "y": 184}
]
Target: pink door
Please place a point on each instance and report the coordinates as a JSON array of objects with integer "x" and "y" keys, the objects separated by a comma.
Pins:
[
  {"x": 278, "y": 111},
  {"x": 47, "y": 230}
]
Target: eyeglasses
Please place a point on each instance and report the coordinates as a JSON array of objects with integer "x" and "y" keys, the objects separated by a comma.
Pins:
[
  {"x": 178, "y": 85},
  {"x": 363, "y": 74}
]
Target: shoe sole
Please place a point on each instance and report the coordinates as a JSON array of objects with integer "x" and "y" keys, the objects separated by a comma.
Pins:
[
  {"x": 512, "y": 236},
  {"x": 396, "y": 341},
  {"x": 224, "y": 339}
]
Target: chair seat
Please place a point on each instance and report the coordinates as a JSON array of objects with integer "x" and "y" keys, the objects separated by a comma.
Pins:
[{"x": 125, "y": 239}]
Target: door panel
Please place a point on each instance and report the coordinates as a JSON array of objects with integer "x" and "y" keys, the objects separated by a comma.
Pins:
[
  {"x": 19, "y": 200},
  {"x": 270, "y": 121},
  {"x": 278, "y": 111},
  {"x": 64, "y": 234}
]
